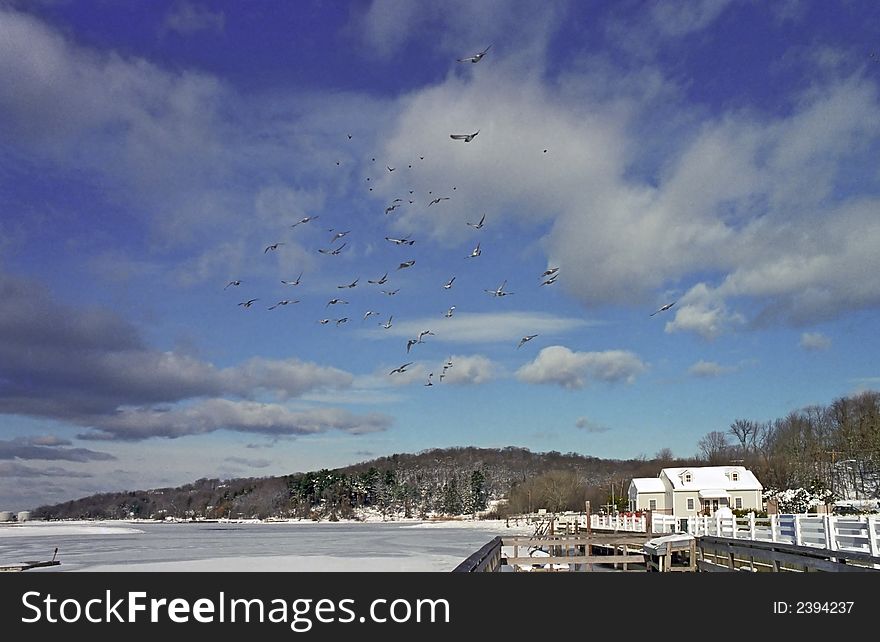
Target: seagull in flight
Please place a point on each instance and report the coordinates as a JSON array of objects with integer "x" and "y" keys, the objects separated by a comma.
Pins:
[
  {"x": 424, "y": 333},
  {"x": 387, "y": 324},
  {"x": 465, "y": 137},
  {"x": 476, "y": 57},
  {"x": 391, "y": 208},
  {"x": 662, "y": 308},
  {"x": 305, "y": 219},
  {"x": 324, "y": 321},
  {"x": 449, "y": 312},
  {"x": 499, "y": 291},
  {"x": 410, "y": 343},
  {"x": 406, "y": 264},
  {"x": 390, "y": 169},
  {"x": 232, "y": 283},
  {"x": 428, "y": 382},
  {"x": 282, "y": 302},
  {"x": 525, "y": 339},
  {"x": 438, "y": 199},
  {"x": 478, "y": 226},
  {"x": 550, "y": 271},
  {"x": 296, "y": 282},
  {"x": 341, "y": 321},
  {"x": 248, "y": 303},
  {"x": 448, "y": 284},
  {"x": 379, "y": 281},
  {"x": 402, "y": 368},
  {"x": 369, "y": 314},
  {"x": 274, "y": 246},
  {"x": 349, "y": 285},
  {"x": 399, "y": 241},
  {"x": 551, "y": 280},
  {"x": 332, "y": 252},
  {"x": 334, "y": 302},
  {"x": 474, "y": 253},
  {"x": 338, "y": 236},
  {"x": 391, "y": 292}
]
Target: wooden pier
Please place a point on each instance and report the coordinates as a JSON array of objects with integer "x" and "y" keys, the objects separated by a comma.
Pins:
[{"x": 17, "y": 567}]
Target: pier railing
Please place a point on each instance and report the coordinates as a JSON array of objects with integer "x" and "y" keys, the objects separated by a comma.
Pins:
[{"x": 837, "y": 533}]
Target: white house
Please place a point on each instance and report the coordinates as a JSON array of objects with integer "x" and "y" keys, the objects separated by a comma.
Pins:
[{"x": 696, "y": 490}]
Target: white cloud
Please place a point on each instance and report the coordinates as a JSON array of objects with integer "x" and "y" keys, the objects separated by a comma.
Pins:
[
  {"x": 561, "y": 366},
  {"x": 222, "y": 414},
  {"x": 467, "y": 370},
  {"x": 707, "y": 369},
  {"x": 189, "y": 17},
  {"x": 481, "y": 327},
  {"x": 814, "y": 341}
]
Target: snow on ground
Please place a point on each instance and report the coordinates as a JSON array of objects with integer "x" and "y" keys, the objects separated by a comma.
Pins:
[{"x": 35, "y": 529}]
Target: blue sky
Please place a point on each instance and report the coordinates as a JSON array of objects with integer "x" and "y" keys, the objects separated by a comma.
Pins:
[{"x": 717, "y": 155}]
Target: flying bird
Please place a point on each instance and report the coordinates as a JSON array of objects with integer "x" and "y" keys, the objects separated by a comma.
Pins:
[
  {"x": 428, "y": 382},
  {"x": 390, "y": 169},
  {"x": 410, "y": 343},
  {"x": 391, "y": 208},
  {"x": 391, "y": 292},
  {"x": 379, "y": 281},
  {"x": 474, "y": 253},
  {"x": 550, "y": 271},
  {"x": 332, "y": 252},
  {"x": 341, "y": 321},
  {"x": 424, "y": 333},
  {"x": 478, "y": 226},
  {"x": 334, "y": 302},
  {"x": 499, "y": 291},
  {"x": 274, "y": 246},
  {"x": 465, "y": 137},
  {"x": 401, "y": 368},
  {"x": 349, "y": 285},
  {"x": 387, "y": 324},
  {"x": 232, "y": 283},
  {"x": 449, "y": 312},
  {"x": 551, "y": 280},
  {"x": 476, "y": 57},
  {"x": 662, "y": 308},
  {"x": 525, "y": 339},
  {"x": 438, "y": 199},
  {"x": 370, "y": 313},
  {"x": 248, "y": 303},
  {"x": 399, "y": 241},
  {"x": 338, "y": 236},
  {"x": 296, "y": 282},
  {"x": 406, "y": 264},
  {"x": 448, "y": 284},
  {"x": 305, "y": 219},
  {"x": 282, "y": 302},
  {"x": 324, "y": 321}
]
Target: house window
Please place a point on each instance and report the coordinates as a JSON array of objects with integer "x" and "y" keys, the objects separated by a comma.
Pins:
[
  {"x": 737, "y": 502},
  {"x": 690, "y": 503},
  {"x": 734, "y": 476},
  {"x": 652, "y": 504},
  {"x": 687, "y": 478}
]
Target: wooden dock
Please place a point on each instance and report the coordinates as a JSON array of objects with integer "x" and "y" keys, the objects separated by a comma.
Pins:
[{"x": 17, "y": 567}]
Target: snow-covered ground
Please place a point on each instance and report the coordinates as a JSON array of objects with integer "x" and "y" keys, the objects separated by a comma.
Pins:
[{"x": 403, "y": 545}]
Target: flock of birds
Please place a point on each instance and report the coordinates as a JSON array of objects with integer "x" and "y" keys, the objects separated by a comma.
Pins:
[{"x": 548, "y": 277}]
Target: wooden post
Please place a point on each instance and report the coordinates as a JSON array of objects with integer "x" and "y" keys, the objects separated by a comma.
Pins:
[
  {"x": 828, "y": 528},
  {"x": 589, "y": 518},
  {"x": 752, "y": 525},
  {"x": 872, "y": 535},
  {"x": 649, "y": 522},
  {"x": 797, "y": 530},
  {"x": 774, "y": 528}
]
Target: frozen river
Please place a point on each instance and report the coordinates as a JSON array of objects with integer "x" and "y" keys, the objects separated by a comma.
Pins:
[{"x": 277, "y": 546}]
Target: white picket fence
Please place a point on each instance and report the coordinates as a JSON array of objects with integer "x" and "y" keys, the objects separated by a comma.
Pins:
[{"x": 837, "y": 533}]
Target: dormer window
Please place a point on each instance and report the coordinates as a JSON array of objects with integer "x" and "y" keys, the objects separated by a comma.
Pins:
[
  {"x": 734, "y": 476},
  {"x": 688, "y": 478}
]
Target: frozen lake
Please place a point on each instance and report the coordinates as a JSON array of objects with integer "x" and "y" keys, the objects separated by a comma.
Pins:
[{"x": 276, "y": 546}]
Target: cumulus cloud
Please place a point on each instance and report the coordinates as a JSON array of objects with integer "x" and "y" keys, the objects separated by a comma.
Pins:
[
  {"x": 561, "y": 366},
  {"x": 590, "y": 426},
  {"x": 708, "y": 369},
  {"x": 14, "y": 470},
  {"x": 468, "y": 370},
  {"x": 814, "y": 341},
  {"x": 25, "y": 448},
  {"x": 222, "y": 414}
]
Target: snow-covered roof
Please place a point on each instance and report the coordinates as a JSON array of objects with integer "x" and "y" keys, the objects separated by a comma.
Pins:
[
  {"x": 649, "y": 485},
  {"x": 712, "y": 477}
]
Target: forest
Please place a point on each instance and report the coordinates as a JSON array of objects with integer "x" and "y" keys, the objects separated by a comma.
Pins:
[{"x": 834, "y": 448}]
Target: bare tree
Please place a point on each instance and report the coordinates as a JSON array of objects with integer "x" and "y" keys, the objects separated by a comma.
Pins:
[{"x": 714, "y": 448}]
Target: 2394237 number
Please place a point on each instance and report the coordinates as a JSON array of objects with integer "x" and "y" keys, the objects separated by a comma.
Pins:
[{"x": 823, "y": 607}]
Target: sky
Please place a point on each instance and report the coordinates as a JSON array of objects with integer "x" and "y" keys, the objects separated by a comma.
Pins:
[{"x": 702, "y": 176}]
